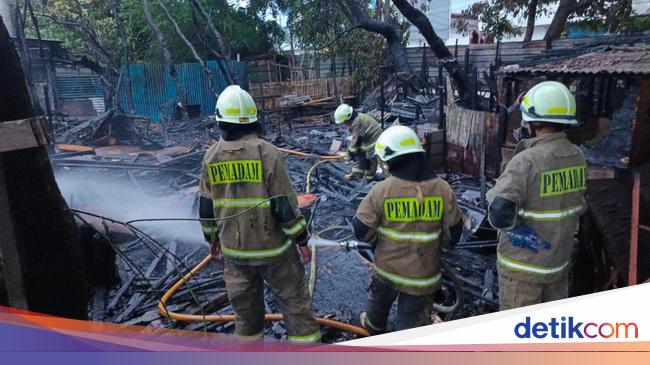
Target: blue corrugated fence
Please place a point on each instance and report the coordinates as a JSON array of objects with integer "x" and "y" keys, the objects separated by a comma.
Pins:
[{"x": 154, "y": 93}]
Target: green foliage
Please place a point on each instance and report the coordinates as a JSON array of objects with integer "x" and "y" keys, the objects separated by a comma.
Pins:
[
  {"x": 320, "y": 26},
  {"x": 605, "y": 15},
  {"x": 499, "y": 17},
  {"x": 246, "y": 32},
  {"x": 505, "y": 17}
]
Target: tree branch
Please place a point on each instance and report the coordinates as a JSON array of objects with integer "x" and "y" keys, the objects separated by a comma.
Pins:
[
  {"x": 187, "y": 42},
  {"x": 180, "y": 93},
  {"x": 420, "y": 21},
  {"x": 223, "y": 46},
  {"x": 359, "y": 17}
]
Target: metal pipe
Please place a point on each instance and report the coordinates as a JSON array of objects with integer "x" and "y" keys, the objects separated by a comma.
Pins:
[{"x": 634, "y": 233}]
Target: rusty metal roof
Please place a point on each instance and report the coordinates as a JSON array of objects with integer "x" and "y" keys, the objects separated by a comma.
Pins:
[{"x": 609, "y": 60}]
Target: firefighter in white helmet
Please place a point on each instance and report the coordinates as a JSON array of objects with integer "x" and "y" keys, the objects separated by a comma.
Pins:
[
  {"x": 364, "y": 131},
  {"x": 259, "y": 230},
  {"x": 537, "y": 201},
  {"x": 406, "y": 217}
]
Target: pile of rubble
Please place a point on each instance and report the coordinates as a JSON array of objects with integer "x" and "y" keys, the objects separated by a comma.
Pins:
[{"x": 114, "y": 169}]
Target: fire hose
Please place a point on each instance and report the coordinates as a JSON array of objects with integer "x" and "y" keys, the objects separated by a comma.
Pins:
[
  {"x": 231, "y": 317},
  {"x": 348, "y": 244},
  {"x": 314, "y": 242}
]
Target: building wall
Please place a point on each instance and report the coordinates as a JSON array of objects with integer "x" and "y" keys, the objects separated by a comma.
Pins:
[
  {"x": 641, "y": 7},
  {"x": 439, "y": 13},
  {"x": 7, "y": 13}
]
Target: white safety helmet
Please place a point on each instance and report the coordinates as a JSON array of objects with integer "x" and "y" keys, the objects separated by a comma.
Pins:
[
  {"x": 342, "y": 113},
  {"x": 236, "y": 106},
  {"x": 549, "y": 101},
  {"x": 397, "y": 141}
]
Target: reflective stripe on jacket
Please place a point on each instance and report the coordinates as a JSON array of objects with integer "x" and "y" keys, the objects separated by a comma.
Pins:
[
  {"x": 241, "y": 177},
  {"x": 546, "y": 179},
  {"x": 364, "y": 131},
  {"x": 408, "y": 218}
]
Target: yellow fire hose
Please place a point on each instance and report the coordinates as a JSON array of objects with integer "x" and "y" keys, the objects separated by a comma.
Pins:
[
  {"x": 305, "y": 154},
  {"x": 268, "y": 317},
  {"x": 230, "y": 317}
]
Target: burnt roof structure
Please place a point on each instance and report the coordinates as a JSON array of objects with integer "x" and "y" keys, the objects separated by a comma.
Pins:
[{"x": 604, "y": 61}]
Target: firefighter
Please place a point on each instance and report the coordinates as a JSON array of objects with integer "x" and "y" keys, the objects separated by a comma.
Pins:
[
  {"x": 364, "y": 131},
  {"x": 406, "y": 218},
  {"x": 537, "y": 201},
  {"x": 246, "y": 188}
]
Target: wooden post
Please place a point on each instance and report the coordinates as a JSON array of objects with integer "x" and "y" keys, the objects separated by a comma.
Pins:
[
  {"x": 382, "y": 97},
  {"x": 11, "y": 275},
  {"x": 634, "y": 233}
]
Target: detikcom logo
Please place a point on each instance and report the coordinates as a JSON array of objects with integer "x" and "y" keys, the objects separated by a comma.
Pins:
[{"x": 568, "y": 327}]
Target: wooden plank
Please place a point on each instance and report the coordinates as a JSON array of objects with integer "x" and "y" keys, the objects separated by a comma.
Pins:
[
  {"x": 73, "y": 148},
  {"x": 24, "y": 133}
]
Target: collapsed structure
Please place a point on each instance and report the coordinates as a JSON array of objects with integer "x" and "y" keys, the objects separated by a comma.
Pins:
[{"x": 132, "y": 180}]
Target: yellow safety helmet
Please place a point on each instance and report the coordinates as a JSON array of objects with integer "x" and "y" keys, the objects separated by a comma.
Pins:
[
  {"x": 549, "y": 101},
  {"x": 342, "y": 113},
  {"x": 397, "y": 141},
  {"x": 236, "y": 106}
]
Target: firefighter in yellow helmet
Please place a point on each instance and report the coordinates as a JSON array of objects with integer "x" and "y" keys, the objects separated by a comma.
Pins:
[
  {"x": 364, "y": 132},
  {"x": 259, "y": 229},
  {"x": 537, "y": 201},
  {"x": 406, "y": 217}
]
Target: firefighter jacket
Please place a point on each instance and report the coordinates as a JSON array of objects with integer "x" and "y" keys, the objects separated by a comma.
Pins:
[
  {"x": 240, "y": 177},
  {"x": 546, "y": 179},
  {"x": 364, "y": 131},
  {"x": 409, "y": 219}
]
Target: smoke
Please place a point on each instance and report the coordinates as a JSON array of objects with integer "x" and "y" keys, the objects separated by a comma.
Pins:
[{"x": 124, "y": 201}]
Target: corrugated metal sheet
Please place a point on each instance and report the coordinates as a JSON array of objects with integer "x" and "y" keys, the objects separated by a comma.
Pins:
[
  {"x": 610, "y": 60},
  {"x": 154, "y": 93},
  {"x": 79, "y": 84}
]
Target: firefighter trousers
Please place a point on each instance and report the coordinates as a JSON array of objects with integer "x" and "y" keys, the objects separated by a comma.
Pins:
[
  {"x": 364, "y": 164},
  {"x": 514, "y": 293},
  {"x": 285, "y": 277},
  {"x": 412, "y": 310}
]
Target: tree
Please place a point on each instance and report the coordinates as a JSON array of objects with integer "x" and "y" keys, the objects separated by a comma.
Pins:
[
  {"x": 247, "y": 33},
  {"x": 322, "y": 30},
  {"x": 87, "y": 27},
  {"x": 169, "y": 61},
  {"x": 47, "y": 240},
  {"x": 531, "y": 14},
  {"x": 359, "y": 17},
  {"x": 126, "y": 60},
  {"x": 499, "y": 17},
  {"x": 607, "y": 15},
  {"x": 420, "y": 21}
]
